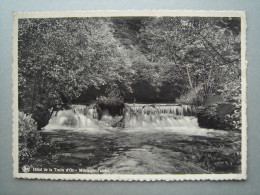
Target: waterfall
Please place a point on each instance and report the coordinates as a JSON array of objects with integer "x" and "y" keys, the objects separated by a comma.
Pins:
[
  {"x": 160, "y": 116},
  {"x": 146, "y": 116},
  {"x": 168, "y": 109},
  {"x": 79, "y": 116}
]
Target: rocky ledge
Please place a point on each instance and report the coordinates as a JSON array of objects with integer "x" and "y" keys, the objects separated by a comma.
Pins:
[{"x": 218, "y": 116}]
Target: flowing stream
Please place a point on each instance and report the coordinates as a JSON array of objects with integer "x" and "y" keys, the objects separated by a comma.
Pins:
[{"x": 155, "y": 138}]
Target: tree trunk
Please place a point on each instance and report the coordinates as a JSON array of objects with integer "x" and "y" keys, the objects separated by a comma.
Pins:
[{"x": 187, "y": 69}]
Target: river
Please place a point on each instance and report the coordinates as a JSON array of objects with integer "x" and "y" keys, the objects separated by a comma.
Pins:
[{"x": 184, "y": 149}]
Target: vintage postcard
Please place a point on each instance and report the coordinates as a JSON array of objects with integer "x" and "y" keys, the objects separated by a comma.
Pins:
[{"x": 153, "y": 95}]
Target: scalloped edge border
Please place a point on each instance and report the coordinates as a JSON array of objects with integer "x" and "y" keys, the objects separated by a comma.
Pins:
[{"x": 130, "y": 177}]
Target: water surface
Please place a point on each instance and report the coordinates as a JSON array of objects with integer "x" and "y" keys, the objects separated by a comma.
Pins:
[{"x": 144, "y": 151}]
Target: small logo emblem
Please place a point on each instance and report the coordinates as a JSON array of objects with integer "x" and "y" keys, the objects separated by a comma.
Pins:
[{"x": 26, "y": 168}]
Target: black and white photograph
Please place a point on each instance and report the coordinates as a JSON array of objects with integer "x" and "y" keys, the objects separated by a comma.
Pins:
[{"x": 129, "y": 96}]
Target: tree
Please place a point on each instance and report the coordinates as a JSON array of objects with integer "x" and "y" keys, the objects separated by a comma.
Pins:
[
  {"x": 204, "y": 50},
  {"x": 61, "y": 58}
]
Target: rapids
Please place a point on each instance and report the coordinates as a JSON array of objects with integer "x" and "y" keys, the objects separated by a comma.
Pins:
[
  {"x": 155, "y": 139},
  {"x": 135, "y": 116}
]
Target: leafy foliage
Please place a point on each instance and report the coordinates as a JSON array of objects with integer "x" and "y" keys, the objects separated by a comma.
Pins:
[
  {"x": 29, "y": 138},
  {"x": 232, "y": 92},
  {"x": 113, "y": 102},
  {"x": 194, "y": 51},
  {"x": 31, "y": 144},
  {"x": 194, "y": 96},
  {"x": 59, "y": 59},
  {"x": 133, "y": 59}
]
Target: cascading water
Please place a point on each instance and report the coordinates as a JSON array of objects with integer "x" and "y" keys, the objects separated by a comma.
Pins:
[
  {"x": 79, "y": 116},
  {"x": 136, "y": 116},
  {"x": 159, "y": 116}
]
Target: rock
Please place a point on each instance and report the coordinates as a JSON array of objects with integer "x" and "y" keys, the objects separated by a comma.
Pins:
[
  {"x": 216, "y": 99},
  {"x": 213, "y": 116},
  {"x": 224, "y": 109}
]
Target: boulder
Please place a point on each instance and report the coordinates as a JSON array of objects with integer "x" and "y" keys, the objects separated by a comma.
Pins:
[{"x": 214, "y": 116}]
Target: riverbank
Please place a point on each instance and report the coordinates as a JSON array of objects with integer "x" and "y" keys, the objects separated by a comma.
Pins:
[{"x": 225, "y": 116}]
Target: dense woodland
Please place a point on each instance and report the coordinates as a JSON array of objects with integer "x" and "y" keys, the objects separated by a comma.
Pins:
[{"x": 148, "y": 59}]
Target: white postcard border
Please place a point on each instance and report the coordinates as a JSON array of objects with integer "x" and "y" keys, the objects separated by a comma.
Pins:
[{"x": 129, "y": 177}]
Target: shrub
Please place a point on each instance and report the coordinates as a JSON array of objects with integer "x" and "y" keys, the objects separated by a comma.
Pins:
[
  {"x": 29, "y": 137},
  {"x": 113, "y": 102},
  {"x": 194, "y": 96},
  {"x": 232, "y": 93},
  {"x": 113, "y": 105}
]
